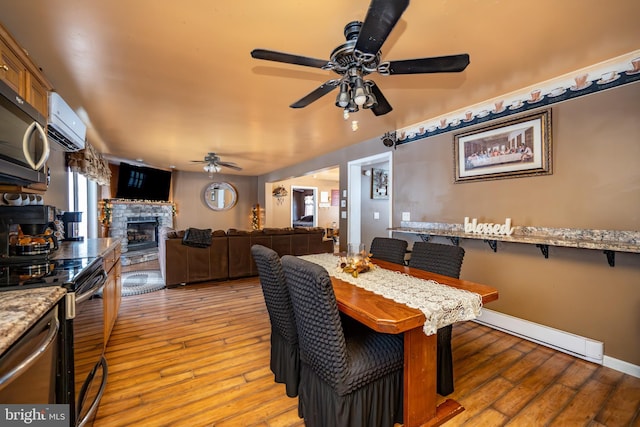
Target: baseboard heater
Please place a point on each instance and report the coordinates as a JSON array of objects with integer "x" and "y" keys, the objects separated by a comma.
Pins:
[{"x": 575, "y": 345}]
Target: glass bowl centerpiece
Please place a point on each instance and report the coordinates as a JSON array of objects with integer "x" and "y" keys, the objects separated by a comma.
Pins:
[{"x": 356, "y": 261}]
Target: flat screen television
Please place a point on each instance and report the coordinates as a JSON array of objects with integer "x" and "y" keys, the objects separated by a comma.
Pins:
[{"x": 143, "y": 183}]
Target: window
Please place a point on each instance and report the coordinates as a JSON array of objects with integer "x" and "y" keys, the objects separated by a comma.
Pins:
[{"x": 83, "y": 198}]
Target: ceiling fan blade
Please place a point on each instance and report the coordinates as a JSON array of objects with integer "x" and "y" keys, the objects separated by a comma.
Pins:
[
  {"x": 272, "y": 55},
  {"x": 229, "y": 165},
  {"x": 382, "y": 105},
  {"x": 439, "y": 64},
  {"x": 322, "y": 90},
  {"x": 381, "y": 17}
]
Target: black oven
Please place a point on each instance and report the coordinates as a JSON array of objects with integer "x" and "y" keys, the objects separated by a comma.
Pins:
[
  {"x": 87, "y": 376},
  {"x": 23, "y": 142},
  {"x": 81, "y": 372}
]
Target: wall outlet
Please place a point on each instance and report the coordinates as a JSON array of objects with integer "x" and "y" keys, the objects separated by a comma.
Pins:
[
  {"x": 406, "y": 216},
  {"x": 376, "y": 215},
  {"x": 343, "y": 214}
]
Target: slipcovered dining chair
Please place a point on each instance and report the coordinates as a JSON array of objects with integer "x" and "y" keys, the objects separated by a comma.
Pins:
[
  {"x": 348, "y": 377},
  {"x": 446, "y": 260},
  {"x": 285, "y": 359},
  {"x": 388, "y": 249}
]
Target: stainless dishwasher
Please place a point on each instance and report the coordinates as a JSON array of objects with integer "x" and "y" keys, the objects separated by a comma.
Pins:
[{"x": 28, "y": 367}]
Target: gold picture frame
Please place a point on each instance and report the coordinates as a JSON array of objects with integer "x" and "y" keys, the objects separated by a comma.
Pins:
[{"x": 512, "y": 148}]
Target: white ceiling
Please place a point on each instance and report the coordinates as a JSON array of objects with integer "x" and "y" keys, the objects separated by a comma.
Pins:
[{"x": 170, "y": 81}]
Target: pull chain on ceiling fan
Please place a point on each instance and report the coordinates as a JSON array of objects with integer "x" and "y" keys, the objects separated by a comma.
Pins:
[{"x": 360, "y": 56}]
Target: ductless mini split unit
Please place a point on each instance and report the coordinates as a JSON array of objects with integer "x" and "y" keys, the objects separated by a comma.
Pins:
[{"x": 65, "y": 130}]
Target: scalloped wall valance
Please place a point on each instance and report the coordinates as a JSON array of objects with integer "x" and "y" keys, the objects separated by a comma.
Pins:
[{"x": 91, "y": 164}]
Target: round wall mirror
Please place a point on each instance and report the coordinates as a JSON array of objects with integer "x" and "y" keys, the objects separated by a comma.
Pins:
[{"x": 220, "y": 196}]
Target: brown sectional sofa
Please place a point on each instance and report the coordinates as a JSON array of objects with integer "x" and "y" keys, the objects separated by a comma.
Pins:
[{"x": 229, "y": 256}]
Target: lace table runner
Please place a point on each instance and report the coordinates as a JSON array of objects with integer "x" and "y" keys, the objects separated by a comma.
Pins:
[{"x": 442, "y": 305}]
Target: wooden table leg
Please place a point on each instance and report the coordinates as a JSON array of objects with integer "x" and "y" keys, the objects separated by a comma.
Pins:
[
  {"x": 420, "y": 398},
  {"x": 419, "y": 377}
]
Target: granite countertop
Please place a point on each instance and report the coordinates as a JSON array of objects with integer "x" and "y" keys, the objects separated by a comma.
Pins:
[
  {"x": 21, "y": 309},
  {"x": 87, "y": 248}
]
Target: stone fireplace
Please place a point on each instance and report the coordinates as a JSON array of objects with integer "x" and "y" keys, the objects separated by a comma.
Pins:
[{"x": 136, "y": 224}]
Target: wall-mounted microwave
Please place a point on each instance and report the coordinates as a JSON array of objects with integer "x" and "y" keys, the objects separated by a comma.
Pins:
[{"x": 23, "y": 142}]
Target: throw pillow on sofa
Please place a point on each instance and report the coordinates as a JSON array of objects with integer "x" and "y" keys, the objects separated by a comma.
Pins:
[{"x": 197, "y": 238}]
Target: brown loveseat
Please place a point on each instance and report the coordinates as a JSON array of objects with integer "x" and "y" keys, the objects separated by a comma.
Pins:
[{"x": 229, "y": 255}]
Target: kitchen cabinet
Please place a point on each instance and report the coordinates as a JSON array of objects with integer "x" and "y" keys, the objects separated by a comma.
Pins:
[
  {"x": 112, "y": 291},
  {"x": 18, "y": 70},
  {"x": 12, "y": 71},
  {"x": 37, "y": 94}
]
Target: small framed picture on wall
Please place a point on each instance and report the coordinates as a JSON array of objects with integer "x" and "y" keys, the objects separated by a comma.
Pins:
[{"x": 379, "y": 184}]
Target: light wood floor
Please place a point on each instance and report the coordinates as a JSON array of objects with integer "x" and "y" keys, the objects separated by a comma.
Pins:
[{"x": 199, "y": 356}]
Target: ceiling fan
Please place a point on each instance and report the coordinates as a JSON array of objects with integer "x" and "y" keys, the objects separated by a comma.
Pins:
[
  {"x": 214, "y": 164},
  {"x": 361, "y": 56}
]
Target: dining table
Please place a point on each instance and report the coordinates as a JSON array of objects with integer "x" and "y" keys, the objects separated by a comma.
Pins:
[{"x": 382, "y": 314}]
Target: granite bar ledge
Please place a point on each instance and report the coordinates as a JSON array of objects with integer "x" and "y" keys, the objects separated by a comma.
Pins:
[{"x": 606, "y": 240}]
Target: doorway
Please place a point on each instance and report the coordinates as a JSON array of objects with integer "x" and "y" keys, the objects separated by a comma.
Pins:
[
  {"x": 356, "y": 194},
  {"x": 304, "y": 206}
]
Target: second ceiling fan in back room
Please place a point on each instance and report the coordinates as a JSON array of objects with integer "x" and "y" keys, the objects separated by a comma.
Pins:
[{"x": 360, "y": 56}]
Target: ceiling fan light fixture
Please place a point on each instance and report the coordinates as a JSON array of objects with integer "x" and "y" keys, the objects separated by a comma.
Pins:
[
  {"x": 370, "y": 102},
  {"x": 371, "y": 99},
  {"x": 360, "y": 97},
  {"x": 342, "y": 100},
  {"x": 211, "y": 168},
  {"x": 359, "y": 94},
  {"x": 352, "y": 107}
]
